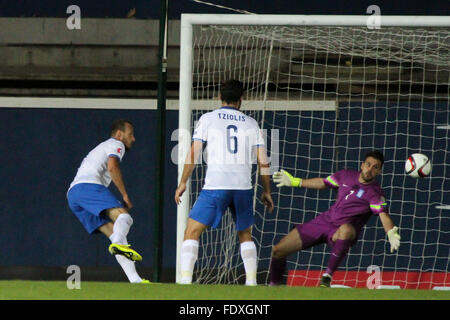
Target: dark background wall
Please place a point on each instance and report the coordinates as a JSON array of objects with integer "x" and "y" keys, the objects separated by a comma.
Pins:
[
  {"x": 41, "y": 153},
  {"x": 42, "y": 149},
  {"x": 146, "y": 9}
]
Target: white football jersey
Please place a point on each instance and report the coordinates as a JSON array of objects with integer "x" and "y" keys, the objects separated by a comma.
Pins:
[
  {"x": 94, "y": 168},
  {"x": 231, "y": 138}
]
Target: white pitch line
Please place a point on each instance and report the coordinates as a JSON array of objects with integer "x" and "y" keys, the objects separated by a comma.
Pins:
[
  {"x": 444, "y": 127},
  {"x": 443, "y": 207}
]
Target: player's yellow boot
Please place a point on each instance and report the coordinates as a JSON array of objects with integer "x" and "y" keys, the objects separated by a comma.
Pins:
[
  {"x": 145, "y": 281},
  {"x": 125, "y": 251}
]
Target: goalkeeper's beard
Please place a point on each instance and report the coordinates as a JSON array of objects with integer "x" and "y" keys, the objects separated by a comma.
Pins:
[{"x": 366, "y": 178}]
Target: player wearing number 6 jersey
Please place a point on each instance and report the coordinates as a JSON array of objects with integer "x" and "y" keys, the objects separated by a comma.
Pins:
[
  {"x": 359, "y": 197},
  {"x": 232, "y": 140}
]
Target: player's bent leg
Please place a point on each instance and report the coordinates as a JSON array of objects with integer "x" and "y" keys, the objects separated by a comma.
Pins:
[
  {"x": 114, "y": 213},
  {"x": 342, "y": 239},
  {"x": 249, "y": 256},
  {"x": 291, "y": 243},
  {"x": 122, "y": 224},
  {"x": 127, "y": 266},
  {"x": 345, "y": 232},
  {"x": 107, "y": 229}
]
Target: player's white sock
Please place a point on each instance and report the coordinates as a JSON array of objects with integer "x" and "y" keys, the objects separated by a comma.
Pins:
[
  {"x": 129, "y": 268},
  {"x": 189, "y": 255},
  {"x": 121, "y": 228},
  {"x": 248, "y": 254}
]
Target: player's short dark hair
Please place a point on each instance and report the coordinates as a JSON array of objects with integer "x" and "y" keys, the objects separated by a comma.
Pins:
[
  {"x": 231, "y": 91},
  {"x": 119, "y": 124},
  {"x": 376, "y": 155}
]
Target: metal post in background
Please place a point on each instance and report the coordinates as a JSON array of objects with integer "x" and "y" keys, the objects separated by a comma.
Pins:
[{"x": 160, "y": 143}]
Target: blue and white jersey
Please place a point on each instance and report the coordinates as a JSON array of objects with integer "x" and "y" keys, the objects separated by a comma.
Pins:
[
  {"x": 94, "y": 168},
  {"x": 231, "y": 138}
]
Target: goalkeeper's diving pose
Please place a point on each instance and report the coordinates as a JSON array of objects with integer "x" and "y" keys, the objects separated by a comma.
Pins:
[{"x": 359, "y": 196}]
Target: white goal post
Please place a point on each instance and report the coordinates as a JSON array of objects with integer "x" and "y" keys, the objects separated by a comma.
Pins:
[{"x": 369, "y": 82}]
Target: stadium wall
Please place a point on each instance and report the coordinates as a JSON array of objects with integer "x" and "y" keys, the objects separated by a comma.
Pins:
[
  {"x": 145, "y": 9},
  {"x": 43, "y": 147}
]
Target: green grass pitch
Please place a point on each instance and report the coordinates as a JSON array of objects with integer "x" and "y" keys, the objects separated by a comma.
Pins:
[{"x": 57, "y": 290}]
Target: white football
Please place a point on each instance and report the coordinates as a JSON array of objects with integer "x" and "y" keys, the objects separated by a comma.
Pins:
[{"x": 418, "y": 166}]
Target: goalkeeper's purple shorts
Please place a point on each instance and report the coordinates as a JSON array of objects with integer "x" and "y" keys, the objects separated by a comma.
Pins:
[{"x": 320, "y": 230}]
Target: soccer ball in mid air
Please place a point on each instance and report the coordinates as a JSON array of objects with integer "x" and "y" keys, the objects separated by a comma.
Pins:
[{"x": 418, "y": 166}]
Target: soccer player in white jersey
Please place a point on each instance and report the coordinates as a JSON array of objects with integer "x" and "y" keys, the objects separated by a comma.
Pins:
[
  {"x": 232, "y": 139},
  {"x": 96, "y": 207}
]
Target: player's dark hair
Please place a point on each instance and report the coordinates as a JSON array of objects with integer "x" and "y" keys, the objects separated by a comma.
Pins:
[
  {"x": 231, "y": 91},
  {"x": 119, "y": 124},
  {"x": 375, "y": 154}
]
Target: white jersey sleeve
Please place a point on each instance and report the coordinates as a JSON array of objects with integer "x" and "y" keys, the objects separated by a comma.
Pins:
[
  {"x": 115, "y": 149},
  {"x": 201, "y": 129},
  {"x": 259, "y": 136},
  {"x": 94, "y": 167}
]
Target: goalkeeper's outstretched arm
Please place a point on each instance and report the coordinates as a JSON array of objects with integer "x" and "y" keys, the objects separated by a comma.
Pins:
[
  {"x": 284, "y": 179},
  {"x": 391, "y": 231}
]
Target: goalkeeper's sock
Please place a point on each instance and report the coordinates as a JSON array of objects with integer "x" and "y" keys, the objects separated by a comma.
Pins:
[
  {"x": 121, "y": 228},
  {"x": 338, "y": 253},
  {"x": 248, "y": 254},
  {"x": 189, "y": 255},
  {"x": 129, "y": 268},
  {"x": 277, "y": 268}
]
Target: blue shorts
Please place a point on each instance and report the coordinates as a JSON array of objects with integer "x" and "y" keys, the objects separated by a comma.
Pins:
[
  {"x": 88, "y": 200},
  {"x": 212, "y": 204}
]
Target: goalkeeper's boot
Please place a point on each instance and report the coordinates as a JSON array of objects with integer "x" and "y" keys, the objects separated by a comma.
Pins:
[
  {"x": 325, "y": 282},
  {"x": 125, "y": 251},
  {"x": 273, "y": 284}
]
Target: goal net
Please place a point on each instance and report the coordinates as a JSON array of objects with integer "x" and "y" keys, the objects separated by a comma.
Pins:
[{"x": 326, "y": 90}]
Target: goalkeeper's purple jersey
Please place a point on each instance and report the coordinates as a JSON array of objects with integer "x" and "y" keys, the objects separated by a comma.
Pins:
[{"x": 356, "y": 202}]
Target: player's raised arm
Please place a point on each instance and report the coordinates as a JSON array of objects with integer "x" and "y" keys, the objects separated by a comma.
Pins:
[
  {"x": 264, "y": 171},
  {"x": 189, "y": 165},
  {"x": 391, "y": 231},
  {"x": 284, "y": 179}
]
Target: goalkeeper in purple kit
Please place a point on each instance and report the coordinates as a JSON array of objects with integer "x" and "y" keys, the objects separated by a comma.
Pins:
[{"x": 359, "y": 197}]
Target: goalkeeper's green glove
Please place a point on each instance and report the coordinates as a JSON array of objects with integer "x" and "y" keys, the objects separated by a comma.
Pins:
[
  {"x": 285, "y": 179},
  {"x": 394, "y": 238}
]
